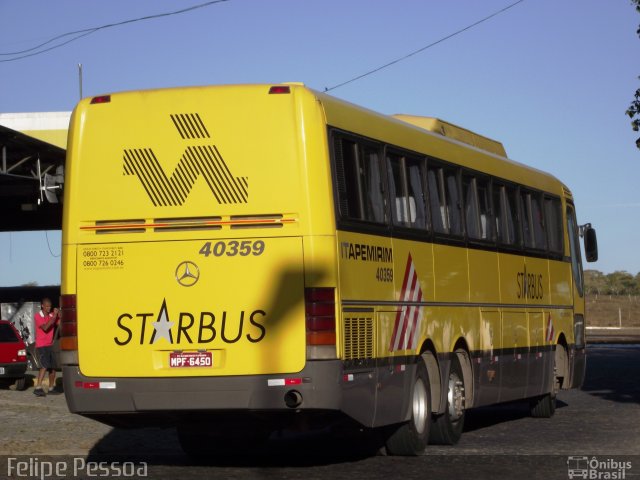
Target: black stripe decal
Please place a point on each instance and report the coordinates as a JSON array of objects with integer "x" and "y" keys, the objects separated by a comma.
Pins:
[{"x": 454, "y": 304}]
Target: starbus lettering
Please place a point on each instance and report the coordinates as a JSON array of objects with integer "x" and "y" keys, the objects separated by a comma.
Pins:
[
  {"x": 529, "y": 285},
  {"x": 365, "y": 253},
  {"x": 190, "y": 327}
]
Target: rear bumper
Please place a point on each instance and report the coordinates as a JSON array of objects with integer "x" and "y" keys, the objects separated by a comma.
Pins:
[
  {"x": 128, "y": 401},
  {"x": 13, "y": 370},
  {"x": 200, "y": 393}
]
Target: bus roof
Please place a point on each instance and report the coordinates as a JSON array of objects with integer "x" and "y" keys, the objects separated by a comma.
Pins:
[{"x": 425, "y": 135}]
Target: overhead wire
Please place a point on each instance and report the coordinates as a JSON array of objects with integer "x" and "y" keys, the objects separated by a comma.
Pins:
[
  {"x": 420, "y": 50},
  {"x": 76, "y": 35},
  {"x": 46, "y": 234}
]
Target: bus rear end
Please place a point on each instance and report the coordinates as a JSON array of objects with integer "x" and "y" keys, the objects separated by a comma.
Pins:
[{"x": 188, "y": 277}]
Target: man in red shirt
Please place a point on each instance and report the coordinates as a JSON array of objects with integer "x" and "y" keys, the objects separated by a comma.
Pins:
[{"x": 46, "y": 321}]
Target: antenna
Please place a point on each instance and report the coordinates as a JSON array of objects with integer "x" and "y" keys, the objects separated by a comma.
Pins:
[{"x": 80, "y": 78}]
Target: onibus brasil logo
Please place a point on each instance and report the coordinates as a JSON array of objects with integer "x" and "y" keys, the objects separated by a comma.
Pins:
[
  {"x": 197, "y": 160},
  {"x": 597, "y": 468}
]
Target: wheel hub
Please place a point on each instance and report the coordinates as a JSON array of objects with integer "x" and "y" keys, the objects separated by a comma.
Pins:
[
  {"x": 420, "y": 405},
  {"x": 456, "y": 397}
]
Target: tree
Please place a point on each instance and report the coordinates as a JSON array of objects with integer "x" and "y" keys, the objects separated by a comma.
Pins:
[
  {"x": 634, "y": 108},
  {"x": 621, "y": 282},
  {"x": 595, "y": 282}
]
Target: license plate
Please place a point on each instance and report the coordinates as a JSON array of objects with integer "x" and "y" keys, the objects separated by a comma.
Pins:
[
  {"x": 190, "y": 359},
  {"x": 1, "y": 370}
]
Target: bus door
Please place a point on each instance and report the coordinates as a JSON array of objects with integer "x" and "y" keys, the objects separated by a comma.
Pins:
[{"x": 577, "y": 362}]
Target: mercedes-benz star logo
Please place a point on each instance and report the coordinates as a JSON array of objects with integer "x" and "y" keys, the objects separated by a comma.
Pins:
[{"x": 187, "y": 274}]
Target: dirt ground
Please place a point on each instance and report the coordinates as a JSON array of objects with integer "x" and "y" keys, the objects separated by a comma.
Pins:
[{"x": 31, "y": 425}]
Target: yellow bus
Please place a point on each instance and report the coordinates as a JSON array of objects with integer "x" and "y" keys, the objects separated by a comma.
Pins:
[{"x": 242, "y": 259}]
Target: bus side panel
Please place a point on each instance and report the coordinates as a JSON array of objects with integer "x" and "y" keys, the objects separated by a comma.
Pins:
[{"x": 487, "y": 372}]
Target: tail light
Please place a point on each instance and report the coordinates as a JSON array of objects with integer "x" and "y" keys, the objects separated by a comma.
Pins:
[
  {"x": 279, "y": 89},
  {"x": 22, "y": 355},
  {"x": 320, "y": 313},
  {"x": 101, "y": 99},
  {"x": 68, "y": 323}
]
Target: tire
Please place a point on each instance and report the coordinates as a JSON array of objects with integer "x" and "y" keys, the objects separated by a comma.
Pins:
[
  {"x": 446, "y": 428},
  {"x": 412, "y": 437},
  {"x": 21, "y": 384},
  {"x": 544, "y": 406}
]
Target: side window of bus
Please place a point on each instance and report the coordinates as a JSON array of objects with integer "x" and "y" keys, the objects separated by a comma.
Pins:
[
  {"x": 348, "y": 179},
  {"x": 484, "y": 209},
  {"x": 372, "y": 184},
  {"x": 512, "y": 223},
  {"x": 437, "y": 203},
  {"x": 532, "y": 220},
  {"x": 406, "y": 187},
  {"x": 498, "y": 211},
  {"x": 471, "y": 214},
  {"x": 553, "y": 221},
  {"x": 454, "y": 202},
  {"x": 477, "y": 207},
  {"x": 539, "y": 234},
  {"x": 444, "y": 199},
  {"x": 360, "y": 193},
  {"x": 399, "y": 202},
  {"x": 525, "y": 216},
  {"x": 416, "y": 168}
]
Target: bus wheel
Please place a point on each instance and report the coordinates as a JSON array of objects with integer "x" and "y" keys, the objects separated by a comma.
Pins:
[
  {"x": 545, "y": 405},
  {"x": 411, "y": 438},
  {"x": 446, "y": 428}
]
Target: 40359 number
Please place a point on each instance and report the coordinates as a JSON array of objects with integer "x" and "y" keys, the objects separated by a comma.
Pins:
[
  {"x": 232, "y": 248},
  {"x": 384, "y": 274}
]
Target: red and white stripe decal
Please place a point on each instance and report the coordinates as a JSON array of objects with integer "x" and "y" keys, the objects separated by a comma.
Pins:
[
  {"x": 409, "y": 318},
  {"x": 550, "y": 333},
  {"x": 281, "y": 382}
]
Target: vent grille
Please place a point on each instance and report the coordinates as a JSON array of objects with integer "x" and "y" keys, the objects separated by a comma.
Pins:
[
  {"x": 119, "y": 226},
  {"x": 190, "y": 125},
  {"x": 256, "y": 221},
  {"x": 141, "y": 225},
  {"x": 186, "y": 224},
  {"x": 358, "y": 337}
]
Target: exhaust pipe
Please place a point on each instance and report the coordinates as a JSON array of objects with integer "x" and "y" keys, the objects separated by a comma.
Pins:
[{"x": 293, "y": 399}]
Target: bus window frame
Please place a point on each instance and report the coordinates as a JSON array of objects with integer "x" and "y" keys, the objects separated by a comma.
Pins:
[
  {"x": 491, "y": 240},
  {"x": 554, "y": 254},
  {"x": 497, "y": 187},
  {"x": 441, "y": 167},
  {"x": 515, "y": 246},
  {"x": 349, "y": 222},
  {"x": 405, "y": 229}
]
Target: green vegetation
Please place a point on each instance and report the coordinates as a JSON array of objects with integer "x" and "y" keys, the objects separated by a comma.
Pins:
[
  {"x": 617, "y": 283},
  {"x": 634, "y": 108},
  {"x": 613, "y": 300}
]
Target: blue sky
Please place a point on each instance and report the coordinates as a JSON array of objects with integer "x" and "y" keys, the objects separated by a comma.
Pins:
[{"x": 549, "y": 79}]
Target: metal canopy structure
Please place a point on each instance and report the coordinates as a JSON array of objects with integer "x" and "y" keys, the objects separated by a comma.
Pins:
[{"x": 25, "y": 196}]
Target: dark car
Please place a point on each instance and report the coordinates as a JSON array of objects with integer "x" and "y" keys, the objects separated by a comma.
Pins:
[{"x": 13, "y": 356}]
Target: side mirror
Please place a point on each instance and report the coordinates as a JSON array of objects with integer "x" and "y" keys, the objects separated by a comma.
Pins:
[{"x": 590, "y": 242}]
